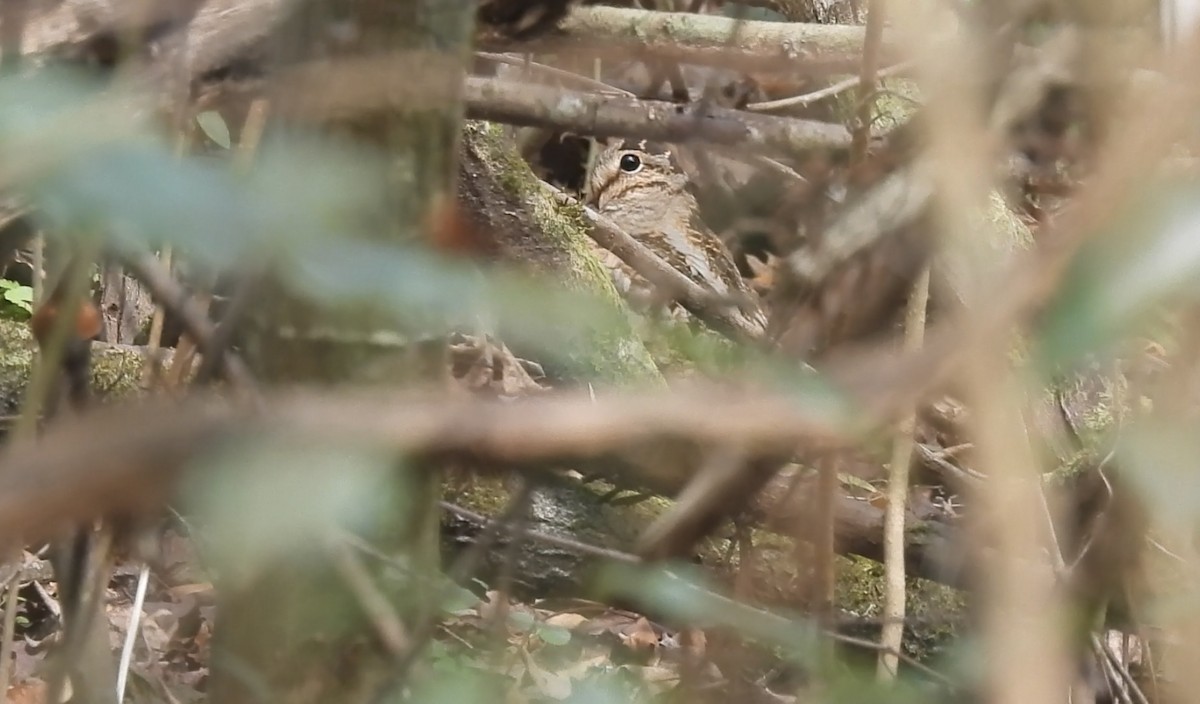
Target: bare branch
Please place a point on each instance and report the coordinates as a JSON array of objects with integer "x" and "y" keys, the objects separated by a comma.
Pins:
[
  {"x": 699, "y": 39},
  {"x": 614, "y": 116}
]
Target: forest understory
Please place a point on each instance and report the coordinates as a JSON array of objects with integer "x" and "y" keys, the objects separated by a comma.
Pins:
[{"x": 773, "y": 351}]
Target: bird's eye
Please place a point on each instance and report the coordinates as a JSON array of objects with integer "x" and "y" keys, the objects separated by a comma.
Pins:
[{"x": 631, "y": 163}]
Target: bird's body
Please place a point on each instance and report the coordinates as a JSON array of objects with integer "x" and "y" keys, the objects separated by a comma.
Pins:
[{"x": 647, "y": 197}]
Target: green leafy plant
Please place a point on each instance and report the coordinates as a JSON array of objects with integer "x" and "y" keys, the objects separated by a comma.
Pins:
[{"x": 16, "y": 301}]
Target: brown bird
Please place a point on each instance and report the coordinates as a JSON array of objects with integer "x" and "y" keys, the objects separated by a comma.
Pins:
[{"x": 643, "y": 193}]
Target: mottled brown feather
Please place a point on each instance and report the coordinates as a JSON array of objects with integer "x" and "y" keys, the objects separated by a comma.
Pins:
[{"x": 653, "y": 206}]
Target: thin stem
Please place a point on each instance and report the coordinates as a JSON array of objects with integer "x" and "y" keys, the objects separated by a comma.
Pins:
[{"x": 892, "y": 635}]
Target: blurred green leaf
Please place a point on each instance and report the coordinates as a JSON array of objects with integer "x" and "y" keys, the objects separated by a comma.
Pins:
[
  {"x": 455, "y": 685},
  {"x": 680, "y": 593},
  {"x": 457, "y": 599},
  {"x": 1159, "y": 459},
  {"x": 214, "y": 126},
  {"x": 274, "y": 496},
  {"x": 553, "y": 635},
  {"x": 1148, "y": 257},
  {"x": 521, "y": 621},
  {"x": 608, "y": 686},
  {"x": 16, "y": 294}
]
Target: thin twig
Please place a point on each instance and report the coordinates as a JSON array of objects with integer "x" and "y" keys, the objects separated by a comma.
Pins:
[
  {"x": 872, "y": 47},
  {"x": 583, "y": 81},
  {"x": 830, "y": 91},
  {"x": 547, "y": 538},
  {"x": 135, "y": 617},
  {"x": 173, "y": 298},
  {"x": 892, "y": 634},
  {"x": 383, "y": 617},
  {"x": 7, "y": 638}
]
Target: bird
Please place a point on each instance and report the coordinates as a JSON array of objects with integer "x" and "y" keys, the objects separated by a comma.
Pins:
[{"x": 641, "y": 190}]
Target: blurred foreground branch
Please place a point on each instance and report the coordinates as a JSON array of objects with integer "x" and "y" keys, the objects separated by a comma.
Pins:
[{"x": 130, "y": 459}]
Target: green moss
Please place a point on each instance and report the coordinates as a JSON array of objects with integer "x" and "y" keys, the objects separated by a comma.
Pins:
[
  {"x": 611, "y": 353},
  {"x": 116, "y": 370},
  {"x": 934, "y": 610}
]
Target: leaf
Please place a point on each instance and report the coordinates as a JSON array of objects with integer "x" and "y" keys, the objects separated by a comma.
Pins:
[
  {"x": 18, "y": 295},
  {"x": 553, "y": 635},
  {"x": 269, "y": 496},
  {"x": 520, "y": 620},
  {"x": 459, "y": 600},
  {"x": 214, "y": 126},
  {"x": 1149, "y": 257}
]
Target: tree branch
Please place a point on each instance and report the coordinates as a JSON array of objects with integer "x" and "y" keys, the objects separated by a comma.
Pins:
[
  {"x": 615, "y": 116},
  {"x": 129, "y": 459},
  {"x": 698, "y": 39}
]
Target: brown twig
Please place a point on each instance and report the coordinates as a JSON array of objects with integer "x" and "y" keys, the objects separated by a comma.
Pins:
[
  {"x": 827, "y": 92},
  {"x": 173, "y": 298},
  {"x": 872, "y": 47},
  {"x": 547, "y": 538},
  {"x": 551, "y": 71},
  {"x": 895, "y": 596},
  {"x": 383, "y": 617}
]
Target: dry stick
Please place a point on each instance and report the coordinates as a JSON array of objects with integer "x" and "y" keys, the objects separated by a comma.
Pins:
[
  {"x": 599, "y": 115},
  {"x": 827, "y": 92},
  {"x": 135, "y": 617},
  {"x": 892, "y": 635},
  {"x": 583, "y": 81},
  {"x": 866, "y": 86},
  {"x": 824, "y": 540},
  {"x": 39, "y": 268},
  {"x": 168, "y": 292},
  {"x": 383, "y": 617},
  {"x": 11, "y": 589},
  {"x": 547, "y": 538},
  {"x": 49, "y": 361}
]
